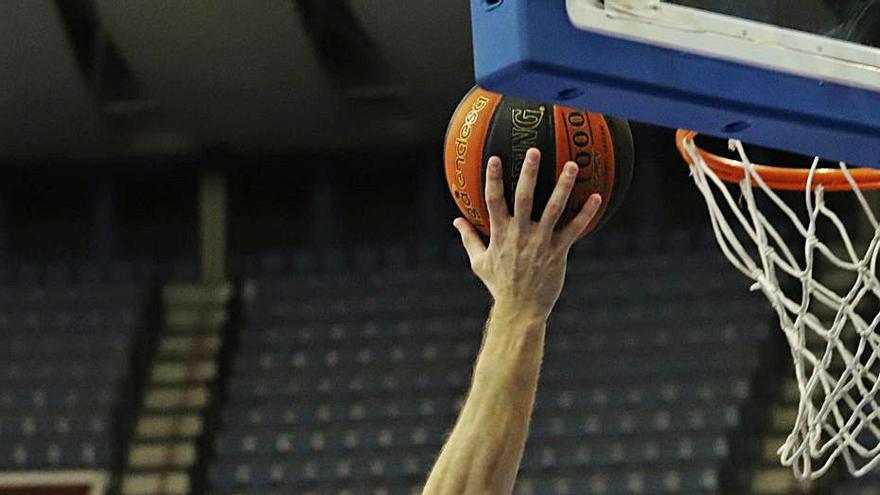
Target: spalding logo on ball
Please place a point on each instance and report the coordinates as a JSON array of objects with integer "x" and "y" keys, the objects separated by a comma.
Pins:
[{"x": 487, "y": 124}]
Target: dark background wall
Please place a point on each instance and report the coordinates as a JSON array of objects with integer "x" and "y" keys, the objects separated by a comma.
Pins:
[{"x": 310, "y": 199}]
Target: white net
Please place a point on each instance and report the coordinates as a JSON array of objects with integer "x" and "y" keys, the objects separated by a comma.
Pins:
[{"x": 830, "y": 325}]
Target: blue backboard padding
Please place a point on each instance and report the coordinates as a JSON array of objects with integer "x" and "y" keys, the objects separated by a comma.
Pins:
[{"x": 530, "y": 49}]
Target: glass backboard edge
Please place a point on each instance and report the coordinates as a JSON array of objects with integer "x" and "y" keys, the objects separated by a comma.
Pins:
[{"x": 739, "y": 40}]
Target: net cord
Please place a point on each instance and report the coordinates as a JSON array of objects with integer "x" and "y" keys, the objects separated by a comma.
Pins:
[{"x": 834, "y": 413}]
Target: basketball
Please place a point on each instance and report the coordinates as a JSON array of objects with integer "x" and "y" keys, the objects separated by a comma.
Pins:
[{"x": 487, "y": 124}]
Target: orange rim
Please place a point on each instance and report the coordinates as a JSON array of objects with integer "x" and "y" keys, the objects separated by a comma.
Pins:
[{"x": 779, "y": 178}]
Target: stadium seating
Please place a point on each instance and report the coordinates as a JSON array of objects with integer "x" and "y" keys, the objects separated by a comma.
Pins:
[
  {"x": 868, "y": 485},
  {"x": 859, "y": 487},
  {"x": 351, "y": 367},
  {"x": 75, "y": 273},
  {"x": 64, "y": 363}
]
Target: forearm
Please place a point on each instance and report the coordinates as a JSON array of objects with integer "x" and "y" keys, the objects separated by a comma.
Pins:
[
  {"x": 483, "y": 452},
  {"x": 524, "y": 269}
]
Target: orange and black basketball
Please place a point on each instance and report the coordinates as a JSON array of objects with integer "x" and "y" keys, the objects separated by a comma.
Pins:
[{"x": 488, "y": 124}]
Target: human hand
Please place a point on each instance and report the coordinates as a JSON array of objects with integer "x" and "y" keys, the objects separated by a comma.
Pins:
[{"x": 524, "y": 265}]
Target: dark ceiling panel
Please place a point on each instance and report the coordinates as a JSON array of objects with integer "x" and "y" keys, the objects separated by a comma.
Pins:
[
  {"x": 429, "y": 43},
  {"x": 237, "y": 74},
  {"x": 45, "y": 107},
  {"x": 252, "y": 76}
]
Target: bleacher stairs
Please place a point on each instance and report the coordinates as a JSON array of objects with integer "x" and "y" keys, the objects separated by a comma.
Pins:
[{"x": 167, "y": 450}]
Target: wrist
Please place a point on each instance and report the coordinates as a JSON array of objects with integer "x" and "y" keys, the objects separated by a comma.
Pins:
[
  {"x": 513, "y": 343},
  {"x": 520, "y": 313}
]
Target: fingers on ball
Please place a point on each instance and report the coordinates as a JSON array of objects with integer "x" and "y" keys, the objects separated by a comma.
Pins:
[
  {"x": 495, "y": 191},
  {"x": 561, "y": 194},
  {"x": 583, "y": 219},
  {"x": 525, "y": 189}
]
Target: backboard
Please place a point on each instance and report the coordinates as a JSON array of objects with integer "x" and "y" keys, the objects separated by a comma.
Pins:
[{"x": 797, "y": 75}]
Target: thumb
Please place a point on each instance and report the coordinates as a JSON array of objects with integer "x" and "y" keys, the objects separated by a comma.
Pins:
[{"x": 469, "y": 238}]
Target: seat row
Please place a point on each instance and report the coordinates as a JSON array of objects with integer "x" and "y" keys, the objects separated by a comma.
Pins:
[
  {"x": 610, "y": 245},
  {"x": 664, "y": 478},
  {"x": 86, "y": 272},
  {"x": 629, "y": 329},
  {"x": 627, "y": 443},
  {"x": 36, "y": 346},
  {"x": 719, "y": 310},
  {"x": 858, "y": 488},
  {"x": 61, "y": 320},
  {"x": 292, "y": 407},
  {"x": 53, "y": 373},
  {"x": 584, "y": 284},
  {"x": 613, "y": 291},
  {"x": 108, "y": 295},
  {"x": 83, "y": 423},
  {"x": 563, "y": 342},
  {"x": 608, "y": 390},
  {"x": 549, "y": 423},
  {"x": 28, "y": 454},
  {"x": 592, "y": 367}
]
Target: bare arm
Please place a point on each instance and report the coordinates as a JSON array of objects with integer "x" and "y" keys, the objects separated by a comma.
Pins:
[{"x": 524, "y": 269}]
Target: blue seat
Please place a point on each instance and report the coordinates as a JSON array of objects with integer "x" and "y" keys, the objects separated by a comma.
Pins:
[
  {"x": 693, "y": 479},
  {"x": 51, "y": 424},
  {"x": 591, "y": 453},
  {"x": 30, "y": 454},
  {"x": 28, "y": 396},
  {"x": 858, "y": 488},
  {"x": 869, "y": 484},
  {"x": 34, "y": 346},
  {"x": 306, "y": 441}
]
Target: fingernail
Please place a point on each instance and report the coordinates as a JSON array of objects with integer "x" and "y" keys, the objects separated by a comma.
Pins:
[
  {"x": 494, "y": 165},
  {"x": 596, "y": 200},
  {"x": 533, "y": 155},
  {"x": 571, "y": 169}
]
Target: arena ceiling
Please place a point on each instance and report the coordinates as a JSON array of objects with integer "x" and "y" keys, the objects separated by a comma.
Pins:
[{"x": 108, "y": 78}]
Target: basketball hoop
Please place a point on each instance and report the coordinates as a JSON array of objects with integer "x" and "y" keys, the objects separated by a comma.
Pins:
[
  {"x": 778, "y": 178},
  {"x": 833, "y": 334}
]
